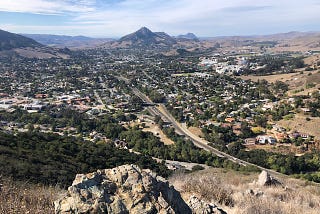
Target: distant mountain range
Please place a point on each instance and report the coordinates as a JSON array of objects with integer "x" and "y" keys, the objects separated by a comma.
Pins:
[
  {"x": 9, "y": 41},
  {"x": 47, "y": 46},
  {"x": 141, "y": 38},
  {"x": 61, "y": 41}
]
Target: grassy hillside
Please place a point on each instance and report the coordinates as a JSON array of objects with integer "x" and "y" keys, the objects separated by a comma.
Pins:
[{"x": 238, "y": 193}]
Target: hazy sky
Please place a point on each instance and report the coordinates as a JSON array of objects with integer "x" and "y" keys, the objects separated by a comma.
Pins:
[{"x": 115, "y": 18}]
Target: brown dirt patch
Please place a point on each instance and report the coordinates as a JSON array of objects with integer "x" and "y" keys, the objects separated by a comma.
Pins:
[
  {"x": 196, "y": 131},
  {"x": 314, "y": 78},
  {"x": 158, "y": 132}
]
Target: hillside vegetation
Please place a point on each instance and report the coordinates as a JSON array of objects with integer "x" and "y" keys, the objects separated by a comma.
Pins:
[
  {"x": 10, "y": 41},
  {"x": 51, "y": 159}
]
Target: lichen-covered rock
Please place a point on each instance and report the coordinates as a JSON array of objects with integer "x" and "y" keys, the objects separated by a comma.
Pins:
[{"x": 124, "y": 189}]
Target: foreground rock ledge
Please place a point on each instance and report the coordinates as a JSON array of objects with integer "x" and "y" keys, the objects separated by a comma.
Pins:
[{"x": 124, "y": 189}]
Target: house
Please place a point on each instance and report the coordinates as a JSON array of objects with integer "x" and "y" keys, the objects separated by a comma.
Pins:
[
  {"x": 41, "y": 96},
  {"x": 263, "y": 139},
  {"x": 304, "y": 135},
  {"x": 33, "y": 107},
  {"x": 305, "y": 110},
  {"x": 294, "y": 135},
  {"x": 4, "y": 95},
  {"x": 230, "y": 119}
]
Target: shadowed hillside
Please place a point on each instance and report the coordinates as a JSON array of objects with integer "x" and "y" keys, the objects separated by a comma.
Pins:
[{"x": 10, "y": 41}]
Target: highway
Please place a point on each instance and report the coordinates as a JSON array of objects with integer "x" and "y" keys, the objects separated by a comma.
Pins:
[{"x": 180, "y": 129}]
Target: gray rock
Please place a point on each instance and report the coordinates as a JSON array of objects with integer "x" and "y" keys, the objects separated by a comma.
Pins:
[
  {"x": 201, "y": 207},
  {"x": 124, "y": 189},
  {"x": 265, "y": 179}
]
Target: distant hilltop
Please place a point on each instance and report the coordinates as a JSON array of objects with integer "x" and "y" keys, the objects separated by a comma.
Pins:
[
  {"x": 12, "y": 44},
  {"x": 9, "y": 41},
  {"x": 145, "y": 37},
  {"x": 188, "y": 36}
]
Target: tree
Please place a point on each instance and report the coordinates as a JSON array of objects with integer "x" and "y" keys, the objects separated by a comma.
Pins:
[
  {"x": 156, "y": 97},
  {"x": 30, "y": 127},
  {"x": 235, "y": 148},
  {"x": 260, "y": 120}
]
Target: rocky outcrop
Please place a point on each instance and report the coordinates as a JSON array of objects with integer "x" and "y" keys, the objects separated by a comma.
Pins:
[
  {"x": 124, "y": 189},
  {"x": 201, "y": 207},
  {"x": 265, "y": 179}
]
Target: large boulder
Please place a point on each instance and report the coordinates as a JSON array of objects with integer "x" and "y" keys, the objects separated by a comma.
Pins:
[
  {"x": 265, "y": 179},
  {"x": 124, "y": 189}
]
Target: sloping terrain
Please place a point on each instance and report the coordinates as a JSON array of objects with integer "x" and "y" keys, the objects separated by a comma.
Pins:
[
  {"x": 242, "y": 193},
  {"x": 9, "y": 41},
  {"x": 203, "y": 191},
  {"x": 14, "y": 45},
  {"x": 72, "y": 42}
]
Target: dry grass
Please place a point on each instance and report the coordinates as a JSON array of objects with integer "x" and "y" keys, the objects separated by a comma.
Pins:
[
  {"x": 299, "y": 123},
  {"x": 27, "y": 198},
  {"x": 278, "y": 148},
  {"x": 312, "y": 60},
  {"x": 196, "y": 131},
  {"x": 314, "y": 78},
  {"x": 204, "y": 186},
  {"x": 238, "y": 193},
  {"x": 273, "y": 78}
]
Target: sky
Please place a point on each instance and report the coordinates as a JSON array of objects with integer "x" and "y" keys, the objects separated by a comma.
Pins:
[{"x": 115, "y": 18}]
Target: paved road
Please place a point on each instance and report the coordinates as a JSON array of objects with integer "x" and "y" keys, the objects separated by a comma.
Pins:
[
  {"x": 199, "y": 142},
  {"x": 102, "y": 105}
]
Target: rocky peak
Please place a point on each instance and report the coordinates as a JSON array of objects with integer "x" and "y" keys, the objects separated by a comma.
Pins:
[
  {"x": 124, "y": 189},
  {"x": 147, "y": 38},
  {"x": 144, "y": 30},
  {"x": 143, "y": 34}
]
